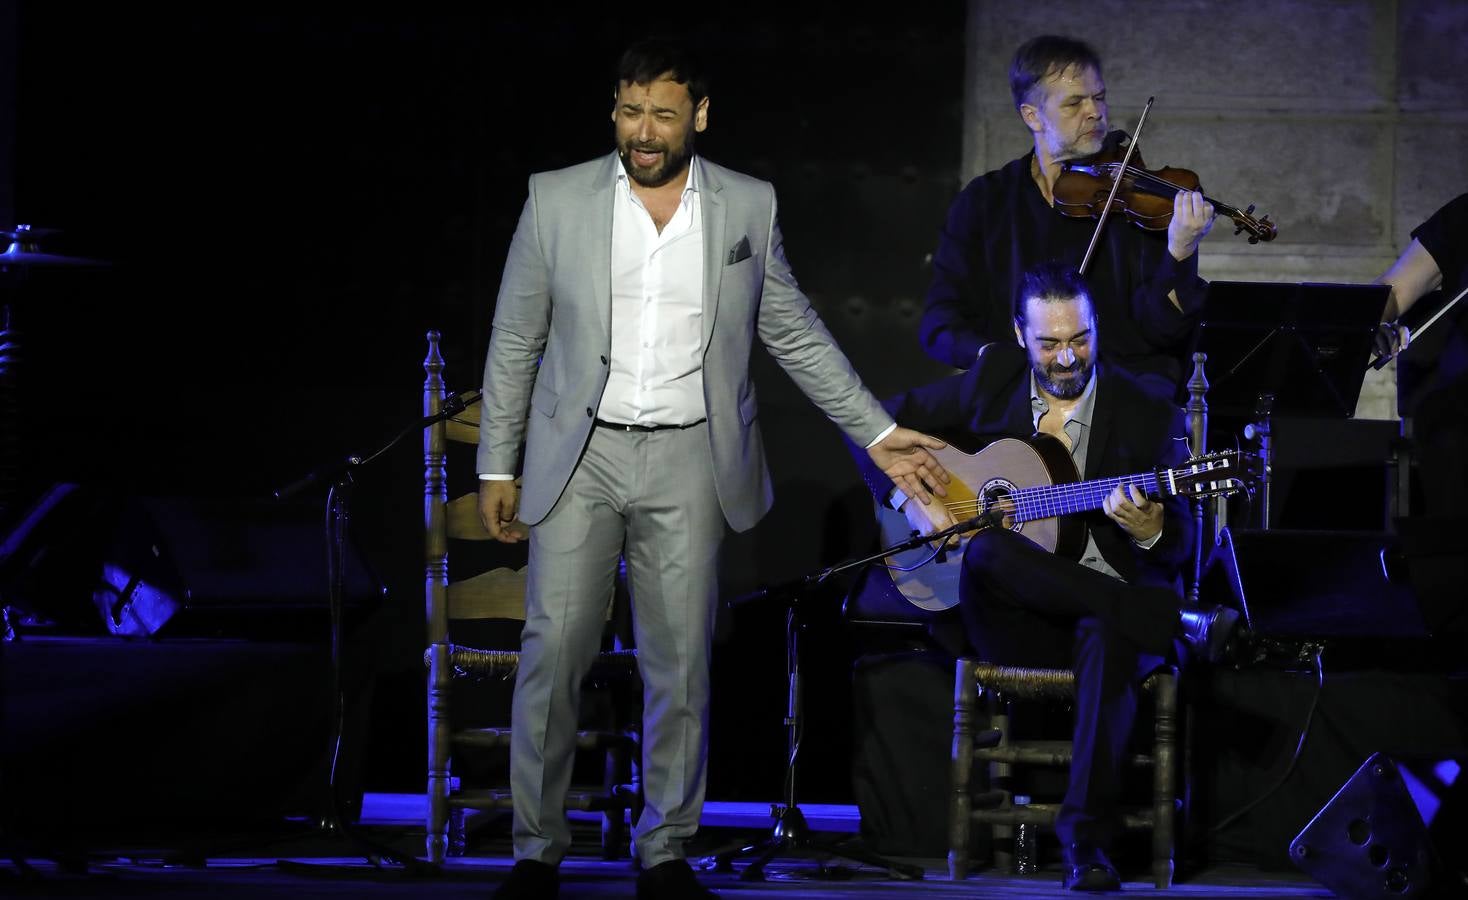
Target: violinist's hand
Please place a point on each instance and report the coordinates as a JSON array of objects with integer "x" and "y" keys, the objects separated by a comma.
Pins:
[
  {"x": 1392, "y": 338},
  {"x": 1192, "y": 217}
]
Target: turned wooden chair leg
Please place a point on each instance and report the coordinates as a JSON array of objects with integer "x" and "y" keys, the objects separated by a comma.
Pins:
[
  {"x": 1164, "y": 777},
  {"x": 1001, "y": 776},
  {"x": 613, "y": 821},
  {"x": 959, "y": 802},
  {"x": 438, "y": 753}
]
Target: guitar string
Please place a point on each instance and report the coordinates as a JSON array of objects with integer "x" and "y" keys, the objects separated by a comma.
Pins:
[{"x": 1057, "y": 499}]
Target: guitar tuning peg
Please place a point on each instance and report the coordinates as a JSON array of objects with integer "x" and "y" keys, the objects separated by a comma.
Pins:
[{"x": 1250, "y": 210}]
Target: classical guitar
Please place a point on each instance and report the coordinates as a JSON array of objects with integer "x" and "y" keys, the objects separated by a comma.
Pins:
[{"x": 1032, "y": 487}]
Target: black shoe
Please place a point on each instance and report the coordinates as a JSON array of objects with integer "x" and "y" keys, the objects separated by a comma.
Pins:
[
  {"x": 1209, "y": 631},
  {"x": 1087, "y": 869},
  {"x": 671, "y": 880},
  {"x": 530, "y": 880}
]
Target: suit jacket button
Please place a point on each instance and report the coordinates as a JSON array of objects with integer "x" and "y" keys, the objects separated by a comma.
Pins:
[
  {"x": 589, "y": 413},
  {"x": 603, "y": 360}
]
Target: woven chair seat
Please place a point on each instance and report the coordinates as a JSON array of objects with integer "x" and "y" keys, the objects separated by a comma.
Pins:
[
  {"x": 1021, "y": 683},
  {"x": 499, "y": 738},
  {"x": 471, "y": 662}
]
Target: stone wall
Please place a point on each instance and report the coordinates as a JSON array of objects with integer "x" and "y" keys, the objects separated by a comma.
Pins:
[
  {"x": 8, "y": 20},
  {"x": 1343, "y": 120}
]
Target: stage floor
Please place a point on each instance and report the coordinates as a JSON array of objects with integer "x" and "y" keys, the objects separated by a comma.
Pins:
[
  {"x": 316, "y": 876},
  {"x": 312, "y": 864}
]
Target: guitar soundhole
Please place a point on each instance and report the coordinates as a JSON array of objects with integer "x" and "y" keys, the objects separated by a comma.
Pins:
[{"x": 996, "y": 505}]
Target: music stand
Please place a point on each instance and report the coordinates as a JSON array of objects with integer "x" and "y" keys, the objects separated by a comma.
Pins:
[{"x": 1291, "y": 348}]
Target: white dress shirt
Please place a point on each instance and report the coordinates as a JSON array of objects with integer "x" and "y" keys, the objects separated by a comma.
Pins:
[
  {"x": 656, "y": 375},
  {"x": 656, "y": 363}
]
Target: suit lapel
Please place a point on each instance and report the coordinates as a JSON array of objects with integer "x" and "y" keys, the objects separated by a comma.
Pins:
[
  {"x": 1101, "y": 415},
  {"x": 596, "y": 226},
  {"x": 1019, "y": 416},
  {"x": 715, "y": 211}
]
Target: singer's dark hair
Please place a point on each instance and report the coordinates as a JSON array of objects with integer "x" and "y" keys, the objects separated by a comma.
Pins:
[{"x": 650, "y": 58}]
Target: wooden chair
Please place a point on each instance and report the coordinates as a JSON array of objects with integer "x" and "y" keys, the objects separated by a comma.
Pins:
[
  {"x": 499, "y": 594},
  {"x": 999, "y": 686}
]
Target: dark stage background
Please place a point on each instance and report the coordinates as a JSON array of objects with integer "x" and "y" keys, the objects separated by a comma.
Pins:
[{"x": 290, "y": 200}]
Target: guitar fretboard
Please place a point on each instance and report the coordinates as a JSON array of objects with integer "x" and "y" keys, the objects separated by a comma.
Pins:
[{"x": 1080, "y": 496}]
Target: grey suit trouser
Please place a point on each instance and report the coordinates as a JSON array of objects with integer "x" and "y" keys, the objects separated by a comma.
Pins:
[{"x": 649, "y": 495}]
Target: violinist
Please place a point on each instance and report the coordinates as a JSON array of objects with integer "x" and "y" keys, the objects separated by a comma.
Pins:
[
  {"x": 1145, "y": 284},
  {"x": 1436, "y": 259}
]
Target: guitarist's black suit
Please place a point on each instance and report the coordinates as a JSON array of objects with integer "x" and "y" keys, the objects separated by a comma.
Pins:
[{"x": 1021, "y": 605}]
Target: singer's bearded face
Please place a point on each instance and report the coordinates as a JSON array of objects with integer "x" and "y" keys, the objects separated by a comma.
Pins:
[
  {"x": 655, "y": 128},
  {"x": 1059, "y": 335}
]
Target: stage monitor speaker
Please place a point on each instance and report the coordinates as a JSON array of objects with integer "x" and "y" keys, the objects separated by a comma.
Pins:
[
  {"x": 1316, "y": 584},
  {"x": 198, "y": 567},
  {"x": 1369, "y": 841}
]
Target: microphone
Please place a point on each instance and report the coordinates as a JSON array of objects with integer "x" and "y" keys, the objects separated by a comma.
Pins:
[
  {"x": 324, "y": 473},
  {"x": 454, "y": 404},
  {"x": 977, "y": 523}
]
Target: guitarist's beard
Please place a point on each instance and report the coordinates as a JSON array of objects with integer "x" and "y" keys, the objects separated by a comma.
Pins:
[{"x": 1064, "y": 382}]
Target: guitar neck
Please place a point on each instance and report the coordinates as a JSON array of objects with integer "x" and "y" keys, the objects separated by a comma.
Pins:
[{"x": 1074, "y": 497}]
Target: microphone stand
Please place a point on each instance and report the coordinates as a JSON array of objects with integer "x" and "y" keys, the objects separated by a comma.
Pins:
[
  {"x": 791, "y": 834},
  {"x": 338, "y": 476}
]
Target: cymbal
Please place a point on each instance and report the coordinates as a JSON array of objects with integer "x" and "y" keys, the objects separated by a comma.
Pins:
[
  {"x": 25, "y": 251},
  {"x": 16, "y": 256}
]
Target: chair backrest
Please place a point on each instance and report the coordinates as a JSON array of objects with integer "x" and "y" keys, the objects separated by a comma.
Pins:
[
  {"x": 498, "y": 593},
  {"x": 1205, "y": 512}
]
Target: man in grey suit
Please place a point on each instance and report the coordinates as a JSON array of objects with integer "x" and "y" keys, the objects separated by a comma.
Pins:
[{"x": 634, "y": 289}]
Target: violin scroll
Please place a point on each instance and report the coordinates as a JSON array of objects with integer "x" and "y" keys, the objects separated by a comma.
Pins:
[{"x": 1260, "y": 229}]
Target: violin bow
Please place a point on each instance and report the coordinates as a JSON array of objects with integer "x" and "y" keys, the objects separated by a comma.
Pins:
[{"x": 1116, "y": 184}]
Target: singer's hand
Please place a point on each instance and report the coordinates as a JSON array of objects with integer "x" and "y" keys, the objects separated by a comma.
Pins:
[
  {"x": 905, "y": 458},
  {"x": 498, "y": 503},
  {"x": 926, "y": 518}
]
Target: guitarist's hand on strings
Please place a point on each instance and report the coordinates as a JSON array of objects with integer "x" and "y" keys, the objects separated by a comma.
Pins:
[
  {"x": 1128, "y": 507},
  {"x": 903, "y": 456}
]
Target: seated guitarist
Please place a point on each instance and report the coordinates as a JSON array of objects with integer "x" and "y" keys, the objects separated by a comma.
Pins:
[{"x": 1113, "y": 616}]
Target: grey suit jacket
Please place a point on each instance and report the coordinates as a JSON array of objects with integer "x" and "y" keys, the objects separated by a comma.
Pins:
[{"x": 548, "y": 351}]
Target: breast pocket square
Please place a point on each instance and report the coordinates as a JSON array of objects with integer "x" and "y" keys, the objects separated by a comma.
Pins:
[{"x": 739, "y": 252}]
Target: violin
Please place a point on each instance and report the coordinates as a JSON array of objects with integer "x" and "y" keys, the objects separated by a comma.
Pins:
[{"x": 1144, "y": 196}]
